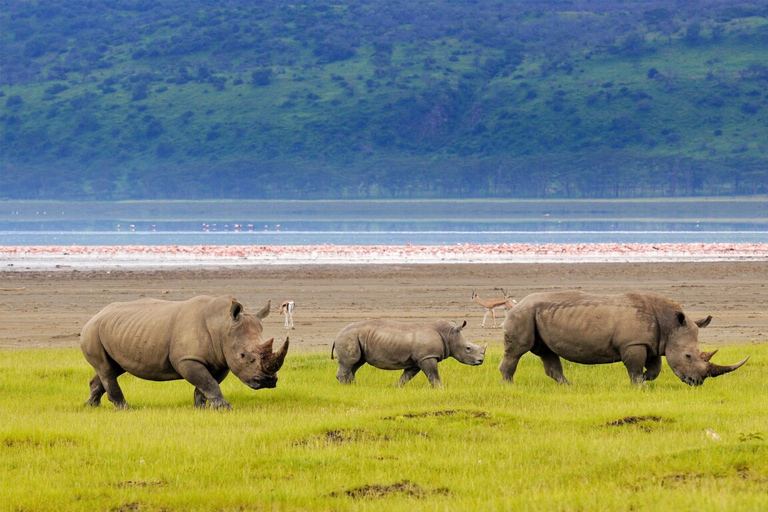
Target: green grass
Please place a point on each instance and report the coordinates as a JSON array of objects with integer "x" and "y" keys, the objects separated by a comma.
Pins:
[{"x": 312, "y": 444}]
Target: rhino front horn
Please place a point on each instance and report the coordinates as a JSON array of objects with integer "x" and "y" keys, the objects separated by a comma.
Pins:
[
  {"x": 715, "y": 370},
  {"x": 279, "y": 357}
]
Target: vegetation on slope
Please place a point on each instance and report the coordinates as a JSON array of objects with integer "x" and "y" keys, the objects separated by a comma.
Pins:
[{"x": 121, "y": 99}]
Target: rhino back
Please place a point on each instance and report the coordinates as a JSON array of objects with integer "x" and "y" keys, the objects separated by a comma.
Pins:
[
  {"x": 592, "y": 329},
  {"x": 147, "y": 336},
  {"x": 394, "y": 345}
]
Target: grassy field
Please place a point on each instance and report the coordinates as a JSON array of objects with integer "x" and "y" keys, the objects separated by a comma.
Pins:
[{"x": 312, "y": 444}]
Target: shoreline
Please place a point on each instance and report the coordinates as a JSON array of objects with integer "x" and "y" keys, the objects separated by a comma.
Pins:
[{"x": 18, "y": 258}]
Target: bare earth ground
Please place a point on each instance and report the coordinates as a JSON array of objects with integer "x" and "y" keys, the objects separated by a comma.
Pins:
[{"x": 48, "y": 308}]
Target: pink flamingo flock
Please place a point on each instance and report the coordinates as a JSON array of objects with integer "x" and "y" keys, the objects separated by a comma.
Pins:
[{"x": 409, "y": 253}]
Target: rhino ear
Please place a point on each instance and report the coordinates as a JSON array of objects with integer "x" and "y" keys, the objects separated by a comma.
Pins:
[
  {"x": 704, "y": 322},
  {"x": 680, "y": 318},
  {"x": 235, "y": 309},
  {"x": 458, "y": 328},
  {"x": 264, "y": 312}
]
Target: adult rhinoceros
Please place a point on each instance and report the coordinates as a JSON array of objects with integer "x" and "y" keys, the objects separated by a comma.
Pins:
[
  {"x": 200, "y": 340},
  {"x": 635, "y": 328},
  {"x": 411, "y": 347}
]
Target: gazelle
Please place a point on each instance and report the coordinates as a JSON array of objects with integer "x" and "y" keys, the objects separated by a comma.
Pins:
[
  {"x": 286, "y": 308},
  {"x": 506, "y": 302}
]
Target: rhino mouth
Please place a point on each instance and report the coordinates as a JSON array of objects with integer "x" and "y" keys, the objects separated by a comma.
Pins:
[
  {"x": 264, "y": 383},
  {"x": 691, "y": 381}
]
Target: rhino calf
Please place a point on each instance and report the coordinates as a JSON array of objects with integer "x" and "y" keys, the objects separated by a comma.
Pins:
[
  {"x": 411, "y": 347},
  {"x": 200, "y": 340},
  {"x": 635, "y": 328}
]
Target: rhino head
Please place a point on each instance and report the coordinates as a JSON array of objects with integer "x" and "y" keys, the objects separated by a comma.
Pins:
[
  {"x": 248, "y": 357},
  {"x": 690, "y": 364},
  {"x": 462, "y": 350}
]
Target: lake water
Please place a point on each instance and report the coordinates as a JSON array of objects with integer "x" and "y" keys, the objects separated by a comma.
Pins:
[
  {"x": 435, "y": 222},
  {"x": 375, "y": 237}
]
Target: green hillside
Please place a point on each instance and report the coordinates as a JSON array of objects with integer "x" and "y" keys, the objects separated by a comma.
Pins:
[{"x": 124, "y": 99}]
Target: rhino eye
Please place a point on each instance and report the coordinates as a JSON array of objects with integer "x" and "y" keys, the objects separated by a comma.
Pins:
[
  {"x": 469, "y": 349},
  {"x": 687, "y": 356},
  {"x": 242, "y": 356}
]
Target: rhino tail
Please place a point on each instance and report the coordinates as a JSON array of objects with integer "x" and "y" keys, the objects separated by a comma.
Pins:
[{"x": 333, "y": 347}]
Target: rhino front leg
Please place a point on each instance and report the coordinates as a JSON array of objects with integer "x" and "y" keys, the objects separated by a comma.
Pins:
[
  {"x": 652, "y": 367},
  {"x": 429, "y": 367},
  {"x": 407, "y": 375},
  {"x": 200, "y": 398},
  {"x": 206, "y": 387},
  {"x": 634, "y": 358}
]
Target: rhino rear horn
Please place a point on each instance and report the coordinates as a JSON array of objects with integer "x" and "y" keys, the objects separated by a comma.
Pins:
[
  {"x": 715, "y": 370},
  {"x": 706, "y": 356},
  {"x": 704, "y": 322}
]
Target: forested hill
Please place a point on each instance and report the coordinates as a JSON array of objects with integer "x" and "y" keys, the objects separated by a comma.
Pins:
[{"x": 120, "y": 99}]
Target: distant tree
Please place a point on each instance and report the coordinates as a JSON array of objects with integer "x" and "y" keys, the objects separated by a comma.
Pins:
[{"x": 261, "y": 77}]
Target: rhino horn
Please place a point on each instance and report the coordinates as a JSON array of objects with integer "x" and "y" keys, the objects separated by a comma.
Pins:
[
  {"x": 704, "y": 322},
  {"x": 280, "y": 354},
  {"x": 275, "y": 361},
  {"x": 708, "y": 355},
  {"x": 715, "y": 370}
]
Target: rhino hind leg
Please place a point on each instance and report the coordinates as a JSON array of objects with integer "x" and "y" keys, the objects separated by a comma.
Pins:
[
  {"x": 97, "y": 391},
  {"x": 407, "y": 375},
  {"x": 553, "y": 367},
  {"x": 346, "y": 372},
  {"x": 105, "y": 380}
]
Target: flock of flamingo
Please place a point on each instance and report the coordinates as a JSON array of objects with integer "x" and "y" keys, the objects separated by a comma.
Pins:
[{"x": 163, "y": 255}]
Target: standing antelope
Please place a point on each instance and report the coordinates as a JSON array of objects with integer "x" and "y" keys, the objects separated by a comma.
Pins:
[
  {"x": 506, "y": 302},
  {"x": 286, "y": 308}
]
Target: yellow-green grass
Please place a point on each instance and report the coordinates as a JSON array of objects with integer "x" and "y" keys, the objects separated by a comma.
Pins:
[{"x": 312, "y": 444}]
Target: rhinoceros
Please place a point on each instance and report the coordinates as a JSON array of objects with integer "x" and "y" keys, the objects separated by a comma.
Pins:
[
  {"x": 391, "y": 345},
  {"x": 200, "y": 340},
  {"x": 635, "y": 328}
]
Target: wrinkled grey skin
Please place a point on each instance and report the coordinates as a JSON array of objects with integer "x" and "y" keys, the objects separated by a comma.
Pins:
[
  {"x": 200, "y": 340},
  {"x": 635, "y": 328},
  {"x": 411, "y": 347}
]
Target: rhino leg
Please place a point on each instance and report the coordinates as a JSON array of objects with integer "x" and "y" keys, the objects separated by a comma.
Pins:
[
  {"x": 105, "y": 381},
  {"x": 553, "y": 367},
  {"x": 512, "y": 353},
  {"x": 97, "y": 391},
  {"x": 206, "y": 386},
  {"x": 202, "y": 401},
  {"x": 634, "y": 358},
  {"x": 429, "y": 367},
  {"x": 346, "y": 373},
  {"x": 407, "y": 375},
  {"x": 652, "y": 367}
]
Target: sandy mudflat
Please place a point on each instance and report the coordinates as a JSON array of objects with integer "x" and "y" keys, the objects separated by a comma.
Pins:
[{"x": 47, "y": 308}]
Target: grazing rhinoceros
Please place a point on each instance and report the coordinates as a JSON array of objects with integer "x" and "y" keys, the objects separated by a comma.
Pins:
[
  {"x": 635, "y": 328},
  {"x": 200, "y": 340},
  {"x": 410, "y": 347}
]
